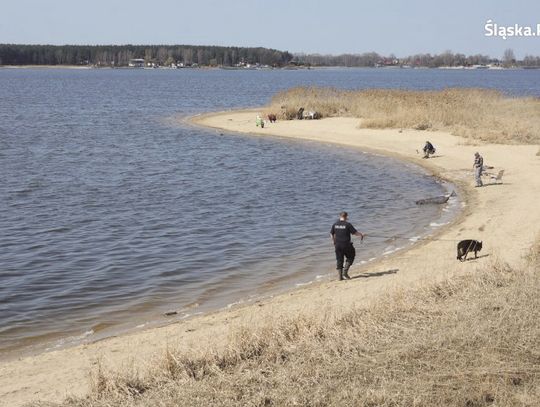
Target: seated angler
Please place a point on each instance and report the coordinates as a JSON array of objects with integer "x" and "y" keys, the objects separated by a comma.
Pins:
[{"x": 428, "y": 149}]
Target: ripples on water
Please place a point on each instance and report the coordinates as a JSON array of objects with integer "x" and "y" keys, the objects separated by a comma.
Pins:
[{"x": 111, "y": 216}]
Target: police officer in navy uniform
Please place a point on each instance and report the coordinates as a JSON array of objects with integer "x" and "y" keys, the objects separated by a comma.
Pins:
[{"x": 341, "y": 236}]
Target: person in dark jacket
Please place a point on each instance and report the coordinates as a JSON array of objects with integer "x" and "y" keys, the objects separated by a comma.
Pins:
[
  {"x": 341, "y": 236},
  {"x": 428, "y": 149}
]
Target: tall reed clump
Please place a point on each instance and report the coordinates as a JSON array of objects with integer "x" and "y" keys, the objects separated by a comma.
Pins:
[
  {"x": 480, "y": 114},
  {"x": 469, "y": 341}
]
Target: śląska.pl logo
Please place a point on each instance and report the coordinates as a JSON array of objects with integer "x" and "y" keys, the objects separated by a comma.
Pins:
[{"x": 493, "y": 29}]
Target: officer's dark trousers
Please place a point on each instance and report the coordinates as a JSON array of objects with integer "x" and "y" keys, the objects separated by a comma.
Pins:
[{"x": 344, "y": 252}]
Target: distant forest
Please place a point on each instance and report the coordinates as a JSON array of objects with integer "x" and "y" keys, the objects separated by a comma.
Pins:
[
  {"x": 120, "y": 55},
  {"x": 190, "y": 55}
]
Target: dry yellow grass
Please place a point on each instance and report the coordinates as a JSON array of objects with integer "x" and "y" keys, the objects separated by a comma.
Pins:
[
  {"x": 468, "y": 341},
  {"x": 481, "y": 114}
]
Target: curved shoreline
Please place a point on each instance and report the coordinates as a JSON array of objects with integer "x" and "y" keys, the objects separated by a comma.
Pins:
[
  {"x": 182, "y": 314},
  {"x": 464, "y": 188},
  {"x": 53, "y": 375}
]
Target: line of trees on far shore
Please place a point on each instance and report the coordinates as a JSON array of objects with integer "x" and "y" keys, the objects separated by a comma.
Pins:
[
  {"x": 448, "y": 58},
  {"x": 190, "y": 55},
  {"x": 120, "y": 55}
]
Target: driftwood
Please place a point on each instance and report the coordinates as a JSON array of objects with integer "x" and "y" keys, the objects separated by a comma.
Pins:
[{"x": 437, "y": 200}]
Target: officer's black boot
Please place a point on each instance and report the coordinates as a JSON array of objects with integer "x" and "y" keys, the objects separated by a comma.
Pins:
[
  {"x": 346, "y": 270},
  {"x": 340, "y": 274}
]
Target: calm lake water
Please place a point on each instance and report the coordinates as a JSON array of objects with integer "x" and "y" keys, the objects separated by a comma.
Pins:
[{"x": 112, "y": 213}]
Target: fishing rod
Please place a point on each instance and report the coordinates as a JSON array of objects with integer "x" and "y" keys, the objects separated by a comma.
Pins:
[{"x": 414, "y": 238}]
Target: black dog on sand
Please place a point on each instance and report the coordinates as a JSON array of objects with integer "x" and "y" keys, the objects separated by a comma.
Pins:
[{"x": 466, "y": 246}]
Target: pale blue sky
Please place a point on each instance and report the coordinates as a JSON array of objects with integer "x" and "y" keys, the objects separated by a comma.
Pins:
[{"x": 338, "y": 26}]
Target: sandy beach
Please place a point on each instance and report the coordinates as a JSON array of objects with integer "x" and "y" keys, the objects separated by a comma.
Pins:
[{"x": 504, "y": 216}]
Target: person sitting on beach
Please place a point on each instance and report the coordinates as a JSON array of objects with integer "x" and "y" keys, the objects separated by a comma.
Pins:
[
  {"x": 341, "y": 236},
  {"x": 478, "y": 167},
  {"x": 428, "y": 149}
]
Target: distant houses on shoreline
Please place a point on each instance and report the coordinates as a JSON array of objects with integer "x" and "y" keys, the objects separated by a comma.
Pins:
[{"x": 141, "y": 63}]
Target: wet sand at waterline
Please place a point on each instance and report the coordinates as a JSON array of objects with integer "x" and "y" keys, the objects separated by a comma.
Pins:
[{"x": 505, "y": 217}]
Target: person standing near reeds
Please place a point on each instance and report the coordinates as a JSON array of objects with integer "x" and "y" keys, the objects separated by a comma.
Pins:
[
  {"x": 477, "y": 166},
  {"x": 341, "y": 236}
]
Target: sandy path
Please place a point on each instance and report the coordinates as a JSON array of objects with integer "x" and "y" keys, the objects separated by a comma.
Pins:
[{"x": 506, "y": 217}]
